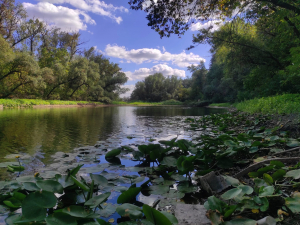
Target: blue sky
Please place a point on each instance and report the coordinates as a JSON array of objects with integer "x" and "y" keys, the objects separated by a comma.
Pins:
[{"x": 122, "y": 35}]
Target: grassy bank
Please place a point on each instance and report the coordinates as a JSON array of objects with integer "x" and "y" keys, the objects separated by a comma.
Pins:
[
  {"x": 32, "y": 102},
  {"x": 280, "y": 104},
  {"x": 168, "y": 102},
  {"x": 226, "y": 104}
]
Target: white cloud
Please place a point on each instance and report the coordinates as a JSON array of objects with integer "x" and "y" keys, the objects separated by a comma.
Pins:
[
  {"x": 63, "y": 17},
  {"x": 215, "y": 24},
  {"x": 150, "y": 54},
  {"x": 94, "y": 6},
  {"x": 128, "y": 93},
  {"x": 160, "y": 68}
]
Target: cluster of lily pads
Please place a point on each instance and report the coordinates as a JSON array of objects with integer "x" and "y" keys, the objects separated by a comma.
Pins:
[
  {"x": 226, "y": 142},
  {"x": 67, "y": 200}
]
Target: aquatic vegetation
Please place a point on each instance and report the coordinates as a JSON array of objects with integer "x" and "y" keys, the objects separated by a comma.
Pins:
[{"x": 225, "y": 143}]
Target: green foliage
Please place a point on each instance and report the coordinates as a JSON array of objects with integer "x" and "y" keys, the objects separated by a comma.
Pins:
[{"x": 280, "y": 104}]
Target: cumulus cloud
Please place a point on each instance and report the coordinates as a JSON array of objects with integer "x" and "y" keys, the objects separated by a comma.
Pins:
[
  {"x": 160, "y": 68},
  {"x": 128, "y": 93},
  {"x": 150, "y": 55},
  {"x": 63, "y": 17},
  {"x": 94, "y": 6},
  {"x": 214, "y": 24}
]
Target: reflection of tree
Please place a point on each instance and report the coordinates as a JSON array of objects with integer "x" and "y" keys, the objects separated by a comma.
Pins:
[{"x": 52, "y": 130}]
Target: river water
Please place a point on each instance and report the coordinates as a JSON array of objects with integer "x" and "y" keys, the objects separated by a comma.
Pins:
[{"x": 50, "y": 130}]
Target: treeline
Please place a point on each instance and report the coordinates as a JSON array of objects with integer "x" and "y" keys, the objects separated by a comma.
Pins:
[
  {"x": 255, "y": 51},
  {"x": 41, "y": 62}
]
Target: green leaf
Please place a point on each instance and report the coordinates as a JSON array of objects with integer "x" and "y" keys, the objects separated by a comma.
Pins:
[
  {"x": 231, "y": 193},
  {"x": 170, "y": 217},
  {"x": 232, "y": 181},
  {"x": 186, "y": 187},
  {"x": 13, "y": 203},
  {"x": 154, "y": 216},
  {"x": 293, "y": 143},
  {"x": 129, "y": 195},
  {"x": 294, "y": 174},
  {"x": 64, "y": 180},
  {"x": 243, "y": 221},
  {"x": 60, "y": 219},
  {"x": 174, "y": 194},
  {"x": 97, "y": 200},
  {"x": 214, "y": 203},
  {"x": 99, "y": 179},
  {"x": 246, "y": 189},
  {"x": 293, "y": 203},
  {"x": 279, "y": 174},
  {"x": 35, "y": 204},
  {"x": 158, "y": 189},
  {"x": 74, "y": 171},
  {"x": 265, "y": 170},
  {"x": 183, "y": 145},
  {"x": 102, "y": 222},
  {"x": 113, "y": 153},
  {"x": 50, "y": 185},
  {"x": 229, "y": 211},
  {"x": 129, "y": 210},
  {"x": 29, "y": 186},
  {"x": 169, "y": 161},
  {"x": 265, "y": 204},
  {"x": 80, "y": 184},
  {"x": 266, "y": 191},
  {"x": 77, "y": 211},
  {"x": 268, "y": 179},
  {"x": 277, "y": 164}
]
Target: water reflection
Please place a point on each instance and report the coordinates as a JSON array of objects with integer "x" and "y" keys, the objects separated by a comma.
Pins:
[{"x": 50, "y": 130}]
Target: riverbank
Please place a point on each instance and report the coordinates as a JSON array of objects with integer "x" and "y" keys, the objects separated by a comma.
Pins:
[{"x": 39, "y": 103}]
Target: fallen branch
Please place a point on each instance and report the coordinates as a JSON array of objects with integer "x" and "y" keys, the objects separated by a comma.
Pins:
[
  {"x": 260, "y": 164},
  {"x": 293, "y": 149}
]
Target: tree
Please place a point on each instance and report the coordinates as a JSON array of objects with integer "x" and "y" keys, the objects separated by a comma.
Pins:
[{"x": 175, "y": 16}]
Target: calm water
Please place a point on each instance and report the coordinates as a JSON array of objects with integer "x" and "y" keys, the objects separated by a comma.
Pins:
[{"x": 50, "y": 130}]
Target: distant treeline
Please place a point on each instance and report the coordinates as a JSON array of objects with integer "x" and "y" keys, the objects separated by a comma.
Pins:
[{"x": 41, "y": 62}]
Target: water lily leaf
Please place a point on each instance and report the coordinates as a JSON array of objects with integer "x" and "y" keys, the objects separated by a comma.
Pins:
[
  {"x": 26, "y": 179},
  {"x": 64, "y": 180},
  {"x": 170, "y": 217},
  {"x": 240, "y": 221},
  {"x": 215, "y": 217},
  {"x": 13, "y": 203},
  {"x": 99, "y": 179},
  {"x": 232, "y": 181},
  {"x": 129, "y": 195},
  {"x": 129, "y": 210},
  {"x": 169, "y": 161},
  {"x": 154, "y": 216},
  {"x": 113, "y": 153},
  {"x": 293, "y": 143},
  {"x": 231, "y": 193},
  {"x": 279, "y": 174},
  {"x": 77, "y": 211},
  {"x": 97, "y": 200},
  {"x": 174, "y": 194},
  {"x": 214, "y": 203},
  {"x": 293, "y": 203},
  {"x": 265, "y": 204},
  {"x": 246, "y": 189},
  {"x": 35, "y": 204},
  {"x": 294, "y": 174},
  {"x": 61, "y": 219},
  {"x": 80, "y": 184},
  {"x": 268, "y": 179},
  {"x": 185, "y": 187},
  {"x": 102, "y": 222},
  {"x": 277, "y": 164},
  {"x": 266, "y": 191},
  {"x": 183, "y": 144},
  {"x": 50, "y": 185},
  {"x": 107, "y": 209},
  {"x": 158, "y": 189}
]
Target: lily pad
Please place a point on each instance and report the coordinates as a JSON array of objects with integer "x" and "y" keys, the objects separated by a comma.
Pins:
[{"x": 129, "y": 210}]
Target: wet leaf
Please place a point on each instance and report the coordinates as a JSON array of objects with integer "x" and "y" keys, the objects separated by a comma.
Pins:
[
  {"x": 50, "y": 185},
  {"x": 97, "y": 200},
  {"x": 129, "y": 210},
  {"x": 129, "y": 195},
  {"x": 154, "y": 216},
  {"x": 60, "y": 219},
  {"x": 113, "y": 153}
]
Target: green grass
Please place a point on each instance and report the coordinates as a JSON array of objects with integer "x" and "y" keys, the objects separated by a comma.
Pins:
[
  {"x": 226, "y": 104},
  {"x": 167, "y": 102},
  {"x": 280, "y": 104},
  {"x": 32, "y": 102}
]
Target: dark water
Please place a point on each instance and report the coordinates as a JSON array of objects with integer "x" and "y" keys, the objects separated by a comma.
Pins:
[{"x": 50, "y": 130}]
